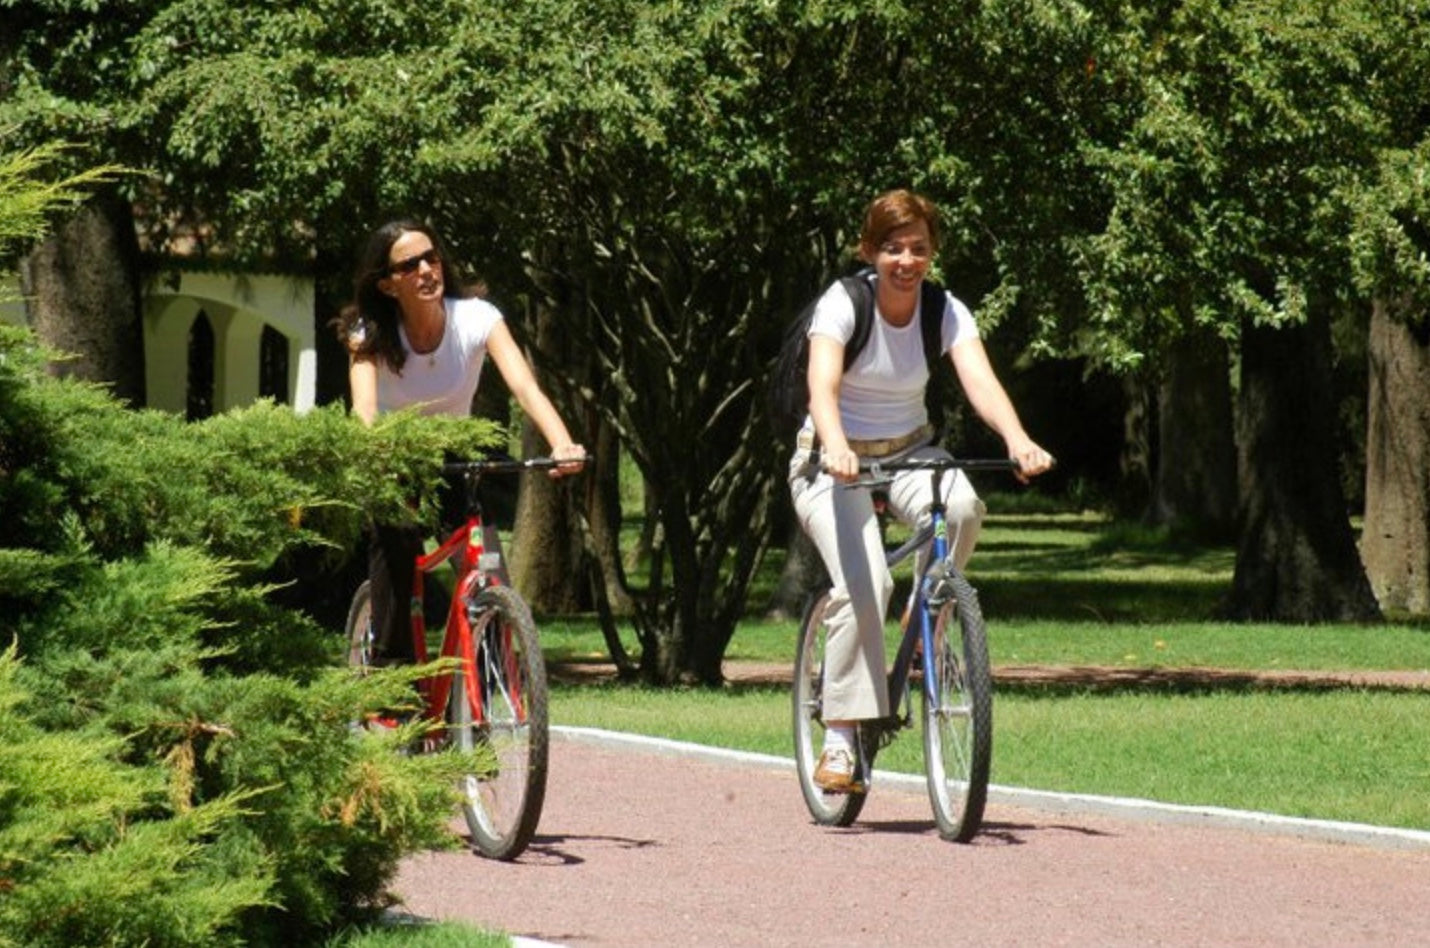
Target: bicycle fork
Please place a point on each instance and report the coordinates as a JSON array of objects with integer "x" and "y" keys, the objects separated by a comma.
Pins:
[{"x": 495, "y": 664}]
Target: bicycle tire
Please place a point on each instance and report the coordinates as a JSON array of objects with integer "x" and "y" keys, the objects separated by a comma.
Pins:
[
  {"x": 358, "y": 631},
  {"x": 958, "y": 715},
  {"x": 502, "y": 807},
  {"x": 828, "y": 809}
]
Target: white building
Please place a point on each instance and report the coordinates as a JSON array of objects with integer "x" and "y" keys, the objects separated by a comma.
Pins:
[{"x": 215, "y": 341}]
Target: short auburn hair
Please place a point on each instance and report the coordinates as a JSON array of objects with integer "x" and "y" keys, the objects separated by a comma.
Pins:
[{"x": 894, "y": 209}]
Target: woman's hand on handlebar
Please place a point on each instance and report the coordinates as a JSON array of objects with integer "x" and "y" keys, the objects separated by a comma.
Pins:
[
  {"x": 843, "y": 466},
  {"x": 572, "y": 458},
  {"x": 1032, "y": 459}
]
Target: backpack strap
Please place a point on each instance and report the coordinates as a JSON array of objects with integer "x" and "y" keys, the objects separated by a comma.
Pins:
[
  {"x": 861, "y": 291},
  {"x": 932, "y": 301}
]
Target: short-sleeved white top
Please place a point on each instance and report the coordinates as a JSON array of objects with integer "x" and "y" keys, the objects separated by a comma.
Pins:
[
  {"x": 443, "y": 381},
  {"x": 882, "y": 393}
]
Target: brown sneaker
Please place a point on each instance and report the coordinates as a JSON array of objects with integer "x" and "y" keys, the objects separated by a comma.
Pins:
[{"x": 836, "y": 773}]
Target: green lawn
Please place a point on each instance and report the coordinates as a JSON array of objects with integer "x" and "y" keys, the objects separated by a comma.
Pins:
[{"x": 1079, "y": 590}]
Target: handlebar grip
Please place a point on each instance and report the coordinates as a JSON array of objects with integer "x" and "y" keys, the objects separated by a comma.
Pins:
[{"x": 506, "y": 465}]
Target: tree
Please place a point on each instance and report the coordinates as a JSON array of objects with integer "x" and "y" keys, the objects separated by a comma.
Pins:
[
  {"x": 1391, "y": 241},
  {"x": 1196, "y": 462},
  {"x": 670, "y": 180},
  {"x": 1395, "y": 541},
  {"x": 82, "y": 284},
  {"x": 1231, "y": 201}
]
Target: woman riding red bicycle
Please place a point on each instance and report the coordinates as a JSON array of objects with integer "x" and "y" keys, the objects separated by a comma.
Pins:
[{"x": 418, "y": 337}]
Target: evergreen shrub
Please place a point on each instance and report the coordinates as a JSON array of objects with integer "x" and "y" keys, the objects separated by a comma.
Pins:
[{"x": 178, "y": 765}]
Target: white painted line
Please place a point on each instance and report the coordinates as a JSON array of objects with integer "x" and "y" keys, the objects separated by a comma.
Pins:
[{"x": 1360, "y": 834}]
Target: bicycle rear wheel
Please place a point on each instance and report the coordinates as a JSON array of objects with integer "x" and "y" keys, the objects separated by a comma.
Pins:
[
  {"x": 502, "y": 807},
  {"x": 958, "y": 715},
  {"x": 828, "y": 809},
  {"x": 359, "y": 628}
]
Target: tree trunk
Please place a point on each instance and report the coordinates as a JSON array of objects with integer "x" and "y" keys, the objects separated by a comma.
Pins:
[
  {"x": 1296, "y": 559},
  {"x": 1195, "y": 482},
  {"x": 1133, "y": 497},
  {"x": 546, "y": 553},
  {"x": 603, "y": 513},
  {"x": 803, "y": 575},
  {"x": 1395, "y": 545},
  {"x": 82, "y": 289}
]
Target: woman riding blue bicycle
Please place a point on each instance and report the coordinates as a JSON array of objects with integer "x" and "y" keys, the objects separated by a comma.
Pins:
[{"x": 875, "y": 409}]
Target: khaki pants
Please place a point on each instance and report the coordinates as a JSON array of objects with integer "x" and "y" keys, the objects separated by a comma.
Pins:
[{"x": 843, "y": 526}]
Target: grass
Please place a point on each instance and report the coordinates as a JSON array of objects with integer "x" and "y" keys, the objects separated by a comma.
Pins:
[
  {"x": 424, "y": 935},
  {"x": 1340, "y": 754},
  {"x": 1079, "y": 590}
]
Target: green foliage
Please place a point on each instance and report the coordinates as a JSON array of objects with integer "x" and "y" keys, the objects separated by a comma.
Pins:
[
  {"x": 83, "y": 860},
  {"x": 670, "y": 180},
  {"x": 1252, "y": 130},
  {"x": 27, "y": 201},
  {"x": 179, "y": 766},
  {"x": 422, "y": 935}
]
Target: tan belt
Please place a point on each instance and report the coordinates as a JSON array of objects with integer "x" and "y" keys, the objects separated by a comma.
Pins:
[{"x": 883, "y": 447}]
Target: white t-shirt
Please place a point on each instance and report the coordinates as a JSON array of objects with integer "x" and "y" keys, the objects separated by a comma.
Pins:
[
  {"x": 882, "y": 393},
  {"x": 443, "y": 381}
]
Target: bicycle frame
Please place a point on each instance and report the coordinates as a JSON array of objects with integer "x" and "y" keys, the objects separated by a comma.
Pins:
[
  {"x": 933, "y": 536},
  {"x": 472, "y": 575},
  {"x": 476, "y": 569},
  {"x": 490, "y": 644}
]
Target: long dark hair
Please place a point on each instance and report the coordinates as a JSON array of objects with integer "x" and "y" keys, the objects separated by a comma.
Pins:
[{"x": 367, "y": 326}]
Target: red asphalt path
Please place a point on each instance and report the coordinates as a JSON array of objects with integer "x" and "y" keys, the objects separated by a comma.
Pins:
[{"x": 647, "y": 844}]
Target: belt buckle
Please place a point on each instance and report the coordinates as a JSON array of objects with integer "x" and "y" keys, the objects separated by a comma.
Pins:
[{"x": 805, "y": 440}]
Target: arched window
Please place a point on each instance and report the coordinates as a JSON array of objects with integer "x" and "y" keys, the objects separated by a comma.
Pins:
[
  {"x": 200, "y": 394},
  {"x": 273, "y": 365}
]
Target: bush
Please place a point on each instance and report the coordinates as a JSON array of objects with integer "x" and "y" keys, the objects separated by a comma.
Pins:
[{"x": 178, "y": 765}]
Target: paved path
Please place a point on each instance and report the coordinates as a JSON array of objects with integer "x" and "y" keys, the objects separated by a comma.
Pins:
[{"x": 645, "y": 844}]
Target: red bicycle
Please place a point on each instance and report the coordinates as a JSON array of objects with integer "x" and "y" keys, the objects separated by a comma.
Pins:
[{"x": 494, "y": 695}]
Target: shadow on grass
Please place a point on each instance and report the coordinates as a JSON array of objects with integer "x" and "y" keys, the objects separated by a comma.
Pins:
[
  {"x": 1104, "y": 600},
  {"x": 1034, "y": 523}
]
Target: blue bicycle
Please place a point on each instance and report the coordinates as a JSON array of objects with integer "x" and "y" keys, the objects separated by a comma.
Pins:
[{"x": 944, "y": 643}]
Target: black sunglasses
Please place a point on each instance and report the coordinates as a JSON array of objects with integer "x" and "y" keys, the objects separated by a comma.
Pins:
[{"x": 405, "y": 267}]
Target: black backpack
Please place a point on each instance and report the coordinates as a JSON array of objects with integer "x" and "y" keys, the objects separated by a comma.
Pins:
[{"x": 789, "y": 377}]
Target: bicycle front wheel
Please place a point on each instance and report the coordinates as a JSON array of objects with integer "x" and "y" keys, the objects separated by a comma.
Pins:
[
  {"x": 506, "y": 711},
  {"x": 958, "y": 715},
  {"x": 828, "y": 809},
  {"x": 359, "y": 629}
]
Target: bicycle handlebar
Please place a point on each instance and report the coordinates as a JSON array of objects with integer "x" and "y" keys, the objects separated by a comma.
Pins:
[
  {"x": 874, "y": 466},
  {"x": 507, "y": 465},
  {"x": 874, "y": 473}
]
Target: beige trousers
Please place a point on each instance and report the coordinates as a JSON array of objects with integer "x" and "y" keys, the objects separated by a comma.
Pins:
[{"x": 842, "y": 523}]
